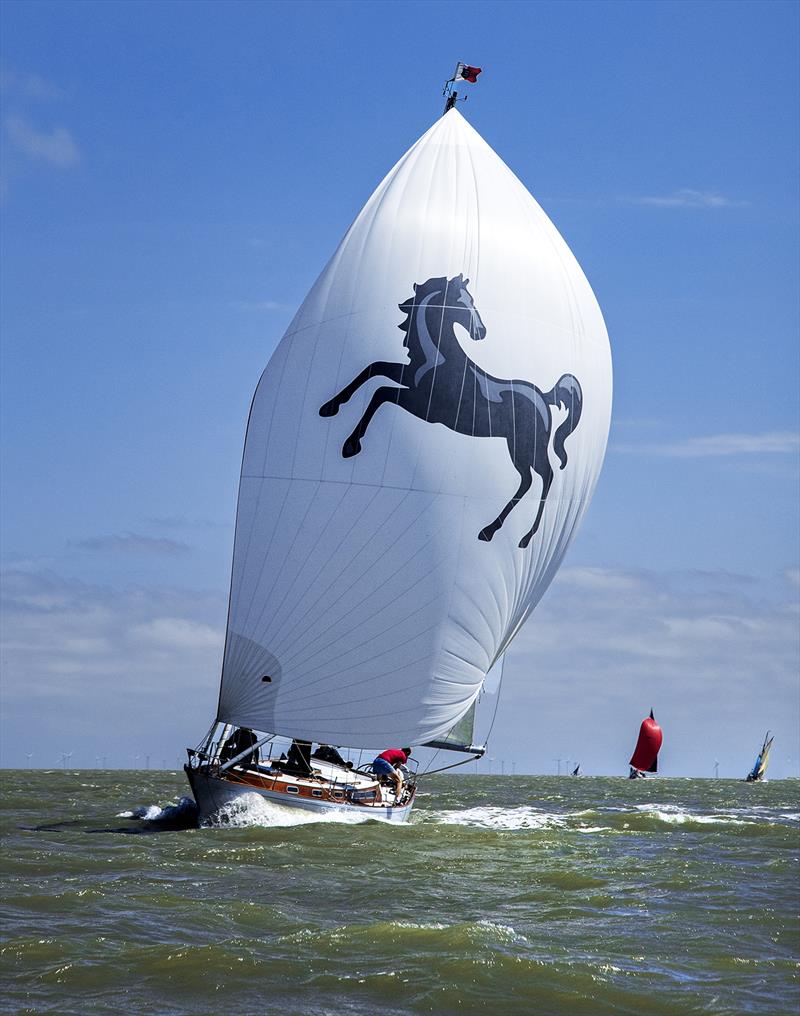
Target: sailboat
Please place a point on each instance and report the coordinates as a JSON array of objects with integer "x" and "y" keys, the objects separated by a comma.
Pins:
[
  {"x": 420, "y": 450},
  {"x": 759, "y": 770},
  {"x": 577, "y": 770},
  {"x": 644, "y": 761}
]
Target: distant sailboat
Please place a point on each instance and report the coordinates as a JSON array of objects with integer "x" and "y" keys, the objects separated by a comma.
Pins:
[
  {"x": 759, "y": 770},
  {"x": 576, "y": 771},
  {"x": 644, "y": 761},
  {"x": 382, "y": 560}
]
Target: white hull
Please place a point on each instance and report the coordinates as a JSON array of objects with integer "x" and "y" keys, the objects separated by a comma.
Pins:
[{"x": 211, "y": 793}]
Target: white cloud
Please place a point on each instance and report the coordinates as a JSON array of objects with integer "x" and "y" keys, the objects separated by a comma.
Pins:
[
  {"x": 56, "y": 146},
  {"x": 715, "y": 654},
  {"x": 166, "y": 633},
  {"x": 773, "y": 443},
  {"x": 134, "y": 543},
  {"x": 185, "y": 522},
  {"x": 104, "y": 669},
  {"x": 109, "y": 671},
  {"x": 686, "y": 197},
  {"x": 31, "y": 86},
  {"x": 600, "y": 579},
  {"x": 258, "y": 305}
]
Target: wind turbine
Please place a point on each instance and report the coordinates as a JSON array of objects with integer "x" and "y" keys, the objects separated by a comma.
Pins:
[{"x": 28, "y": 756}]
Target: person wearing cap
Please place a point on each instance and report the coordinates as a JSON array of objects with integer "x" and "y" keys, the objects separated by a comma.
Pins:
[{"x": 387, "y": 764}]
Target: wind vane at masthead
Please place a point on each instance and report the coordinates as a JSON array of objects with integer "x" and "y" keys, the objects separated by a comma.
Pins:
[{"x": 464, "y": 72}]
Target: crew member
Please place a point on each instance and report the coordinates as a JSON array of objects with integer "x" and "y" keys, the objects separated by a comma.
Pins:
[{"x": 388, "y": 763}]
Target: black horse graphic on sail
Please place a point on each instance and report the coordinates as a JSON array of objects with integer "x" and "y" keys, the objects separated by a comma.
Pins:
[{"x": 440, "y": 384}]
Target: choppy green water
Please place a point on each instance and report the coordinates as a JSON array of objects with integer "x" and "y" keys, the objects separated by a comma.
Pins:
[{"x": 504, "y": 895}]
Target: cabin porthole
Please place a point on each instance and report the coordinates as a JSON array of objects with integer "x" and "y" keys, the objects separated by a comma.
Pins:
[
  {"x": 338, "y": 794},
  {"x": 316, "y": 793},
  {"x": 292, "y": 790}
]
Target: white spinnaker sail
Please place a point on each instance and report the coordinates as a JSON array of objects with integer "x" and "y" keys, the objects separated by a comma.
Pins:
[{"x": 361, "y": 590}]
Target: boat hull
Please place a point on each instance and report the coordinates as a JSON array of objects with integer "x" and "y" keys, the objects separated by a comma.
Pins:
[
  {"x": 212, "y": 793},
  {"x": 640, "y": 774}
]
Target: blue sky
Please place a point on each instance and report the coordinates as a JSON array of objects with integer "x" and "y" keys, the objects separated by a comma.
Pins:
[{"x": 175, "y": 176}]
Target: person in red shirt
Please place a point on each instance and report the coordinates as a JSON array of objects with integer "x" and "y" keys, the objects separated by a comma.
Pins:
[{"x": 386, "y": 764}]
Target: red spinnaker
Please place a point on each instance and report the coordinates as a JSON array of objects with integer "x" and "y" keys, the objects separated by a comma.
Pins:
[{"x": 645, "y": 755}]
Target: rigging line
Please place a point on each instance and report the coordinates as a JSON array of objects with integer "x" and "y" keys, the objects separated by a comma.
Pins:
[
  {"x": 465, "y": 762},
  {"x": 430, "y": 763},
  {"x": 497, "y": 699}
]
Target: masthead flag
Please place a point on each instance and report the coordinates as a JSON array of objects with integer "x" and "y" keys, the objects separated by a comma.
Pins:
[{"x": 466, "y": 73}]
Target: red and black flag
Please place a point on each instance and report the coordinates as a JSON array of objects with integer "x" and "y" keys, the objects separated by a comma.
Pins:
[{"x": 466, "y": 73}]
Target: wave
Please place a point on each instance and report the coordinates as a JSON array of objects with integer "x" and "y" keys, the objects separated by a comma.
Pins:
[
  {"x": 637, "y": 817},
  {"x": 412, "y": 936},
  {"x": 673, "y": 815}
]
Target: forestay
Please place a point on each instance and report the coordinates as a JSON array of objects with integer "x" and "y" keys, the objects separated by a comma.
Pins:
[{"x": 420, "y": 450}]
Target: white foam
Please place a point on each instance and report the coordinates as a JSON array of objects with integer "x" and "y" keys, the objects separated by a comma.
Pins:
[
  {"x": 772, "y": 816},
  {"x": 252, "y": 810},
  {"x": 673, "y": 815},
  {"x": 494, "y": 817},
  {"x": 503, "y": 932},
  {"x": 155, "y": 813}
]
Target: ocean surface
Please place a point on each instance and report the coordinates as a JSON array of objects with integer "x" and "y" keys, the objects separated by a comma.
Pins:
[{"x": 506, "y": 895}]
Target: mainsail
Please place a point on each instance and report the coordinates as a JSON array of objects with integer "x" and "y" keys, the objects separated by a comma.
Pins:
[
  {"x": 759, "y": 770},
  {"x": 460, "y": 736},
  {"x": 648, "y": 745},
  {"x": 420, "y": 450}
]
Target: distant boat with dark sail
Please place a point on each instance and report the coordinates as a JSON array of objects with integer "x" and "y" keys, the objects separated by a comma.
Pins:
[
  {"x": 577, "y": 770},
  {"x": 644, "y": 761},
  {"x": 759, "y": 770},
  {"x": 385, "y": 555}
]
